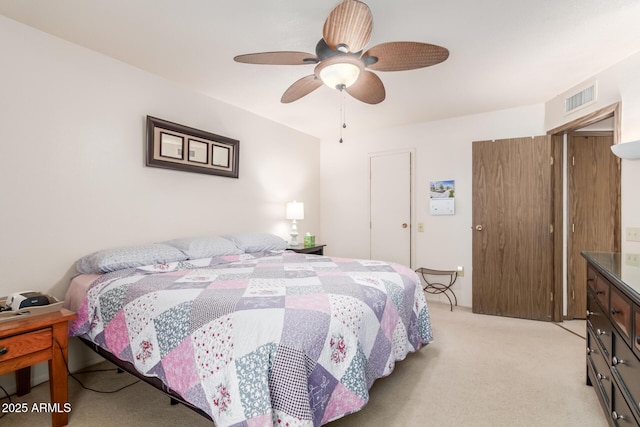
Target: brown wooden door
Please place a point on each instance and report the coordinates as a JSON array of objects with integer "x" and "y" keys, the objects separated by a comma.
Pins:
[
  {"x": 512, "y": 236},
  {"x": 593, "y": 199}
]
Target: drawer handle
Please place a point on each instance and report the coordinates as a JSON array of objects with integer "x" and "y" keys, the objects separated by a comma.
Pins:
[
  {"x": 601, "y": 377},
  {"x": 616, "y": 416},
  {"x": 601, "y": 332},
  {"x": 638, "y": 339},
  {"x": 591, "y": 313},
  {"x": 617, "y": 361},
  {"x": 589, "y": 351},
  {"x": 3, "y": 351},
  {"x": 599, "y": 292},
  {"x": 615, "y": 311}
]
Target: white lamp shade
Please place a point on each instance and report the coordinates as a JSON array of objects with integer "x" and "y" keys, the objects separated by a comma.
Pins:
[
  {"x": 295, "y": 210},
  {"x": 627, "y": 150},
  {"x": 339, "y": 72}
]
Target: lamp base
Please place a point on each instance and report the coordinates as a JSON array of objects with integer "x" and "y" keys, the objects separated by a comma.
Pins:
[{"x": 294, "y": 234}]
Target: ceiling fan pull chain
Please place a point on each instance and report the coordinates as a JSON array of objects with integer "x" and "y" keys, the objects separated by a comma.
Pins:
[{"x": 343, "y": 114}]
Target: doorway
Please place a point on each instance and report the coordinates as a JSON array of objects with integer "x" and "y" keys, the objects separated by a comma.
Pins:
[
  {"x": 391, "y": 179},
  {"x": 593, "y": 209},
  {"x": 568, "y": 274}
]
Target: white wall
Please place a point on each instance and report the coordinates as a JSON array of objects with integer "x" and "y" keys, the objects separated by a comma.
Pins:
[
  {"x": 619, "y": 83},
  {"x": 443, "y": 151},
  {"x": 72, "y": 174}
]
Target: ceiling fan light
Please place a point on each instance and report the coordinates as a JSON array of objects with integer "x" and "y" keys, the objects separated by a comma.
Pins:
[
  {"x": 340, "y": 75},
  {"x": 339, "y": 72}
]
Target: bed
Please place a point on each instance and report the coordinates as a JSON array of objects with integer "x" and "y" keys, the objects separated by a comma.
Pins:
[{"x": 246, "y": 332}]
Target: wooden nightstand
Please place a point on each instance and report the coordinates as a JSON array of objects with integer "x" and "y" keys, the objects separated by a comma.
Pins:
[
  {"x": 315, "y": 250},
  {"x": 25, "y": 341}
]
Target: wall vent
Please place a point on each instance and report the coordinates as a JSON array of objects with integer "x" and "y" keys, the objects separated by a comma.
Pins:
[{"x": 581, "y": 99}]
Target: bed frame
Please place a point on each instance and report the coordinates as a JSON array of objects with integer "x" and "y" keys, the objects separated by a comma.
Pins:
[{"x": 153, "y": 381}]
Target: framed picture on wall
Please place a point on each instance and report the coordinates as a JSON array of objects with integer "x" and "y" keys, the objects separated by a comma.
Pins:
[
  {"x": 198, "y": 151},
  {"x": 221, "y": 155},
  {"x": 173, "y": 146}
]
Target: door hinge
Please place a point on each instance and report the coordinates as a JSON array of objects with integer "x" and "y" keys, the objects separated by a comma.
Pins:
[
  {"x": 573, "y": 295},
  {"x": 551, "y": 160},
  {"x": 550, "y": 228},
  {"x": 551, "y": 295},
  {"x": 573, "y": 228},
  {"x": 573, "y": 160}
]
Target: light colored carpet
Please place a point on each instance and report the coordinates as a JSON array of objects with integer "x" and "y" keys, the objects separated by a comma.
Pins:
[{"x": 479, "y": 371}]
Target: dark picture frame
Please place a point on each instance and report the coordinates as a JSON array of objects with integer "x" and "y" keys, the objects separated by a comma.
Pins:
[{"x": 173, "y": 146}]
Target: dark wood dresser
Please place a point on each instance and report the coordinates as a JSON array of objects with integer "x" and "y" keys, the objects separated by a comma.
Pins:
[{"x": 613, "y": 335}]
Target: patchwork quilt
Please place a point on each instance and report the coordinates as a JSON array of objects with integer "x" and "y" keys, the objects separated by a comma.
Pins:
[{"x": 261, "y": 340}]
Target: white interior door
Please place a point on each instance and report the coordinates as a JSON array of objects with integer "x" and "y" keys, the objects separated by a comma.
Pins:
[{"x": 390, "y": 219}]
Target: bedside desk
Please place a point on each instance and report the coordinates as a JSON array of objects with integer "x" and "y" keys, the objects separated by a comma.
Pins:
[
  {"x": 25, "y": 341},
  {"x": 314, "y": 250}
]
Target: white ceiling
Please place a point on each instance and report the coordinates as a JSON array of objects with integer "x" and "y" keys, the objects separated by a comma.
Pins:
[{"x": 504, "y": 53}]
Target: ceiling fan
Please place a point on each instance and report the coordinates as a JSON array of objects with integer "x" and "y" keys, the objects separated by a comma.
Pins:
[{"x": 341, "y": 63}]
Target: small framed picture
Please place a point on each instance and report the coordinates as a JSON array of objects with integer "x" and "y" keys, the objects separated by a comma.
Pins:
[
  {"x": 221, "y": 155},
  {"x": 198, "y": 151},
  {"x": 173, "y": 146}
]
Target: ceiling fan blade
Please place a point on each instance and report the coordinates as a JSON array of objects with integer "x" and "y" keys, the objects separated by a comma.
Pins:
[
  {"x": 368, "y": 88},
  {"x": 348, "y": 26},
  {"x": 277, "y": 58},
  {"x": 300, "y": 88},
  {"x": 400, "y": 56}
]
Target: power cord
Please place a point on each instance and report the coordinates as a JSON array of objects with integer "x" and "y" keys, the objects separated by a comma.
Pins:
[{"x": 91, "y": 371}]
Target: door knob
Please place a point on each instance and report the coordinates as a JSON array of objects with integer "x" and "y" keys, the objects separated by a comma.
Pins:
[
  {"x": 404, "y": 225},
  {"x": 479, "y": 227}
]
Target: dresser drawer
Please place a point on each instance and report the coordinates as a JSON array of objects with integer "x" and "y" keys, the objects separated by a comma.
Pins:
[
  {"x": 626, "y": 369},
  {"x": 599, "y": 322},
  {"x": 25, "y": 344},
  {"x": 620, "y": 412},
  {"x": 600, "y": 365},
  {"x": 621, "y": 313},
  {"x": 601, "y": 393},
  {"x": 601, "y": 290},
  {"x": 591, "y": 277}
]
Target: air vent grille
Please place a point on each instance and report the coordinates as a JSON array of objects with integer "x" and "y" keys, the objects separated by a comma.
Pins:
[{"x": 581, "y": 99}]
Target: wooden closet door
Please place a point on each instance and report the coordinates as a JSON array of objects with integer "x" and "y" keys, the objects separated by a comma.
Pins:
[
  {"x": 512, "y": 235},
  {"x": 593, "y": 180}
]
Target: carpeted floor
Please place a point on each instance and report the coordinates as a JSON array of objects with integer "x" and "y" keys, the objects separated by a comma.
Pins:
[{"x": 479, "y": 371}]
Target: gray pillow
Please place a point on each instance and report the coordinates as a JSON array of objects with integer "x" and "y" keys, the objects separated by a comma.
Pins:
[
  {"x": 113, "y": 259},
  {"x": 204, "y": 247},
  {"x": 257, "y": 242}
]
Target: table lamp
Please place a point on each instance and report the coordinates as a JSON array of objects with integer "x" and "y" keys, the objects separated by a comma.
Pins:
[{"x": 295, "y": 211}]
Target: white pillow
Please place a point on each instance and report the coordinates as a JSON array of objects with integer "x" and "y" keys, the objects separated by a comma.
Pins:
[
  {"x": 120, "y": 258},
  {"x": 204, "y": 247},
  {"x": 257, "y": 242}
]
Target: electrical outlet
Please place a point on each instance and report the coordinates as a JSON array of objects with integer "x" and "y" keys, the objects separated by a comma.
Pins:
[
  {"x": 633, "y": 234},
  {"x": 460, "y": 271},
  {"x": 420, "y": 227},
  {"x": 633, "y": 260}
]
